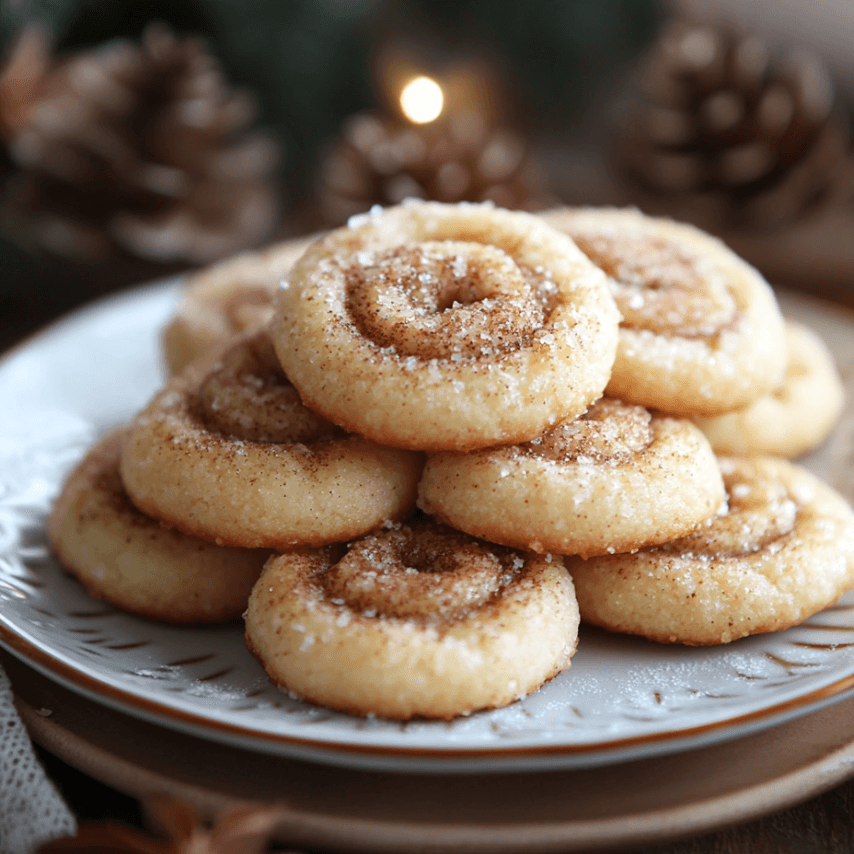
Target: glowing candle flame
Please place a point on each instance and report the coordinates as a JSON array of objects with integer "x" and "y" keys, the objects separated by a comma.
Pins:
[{"x": 422, "y": 100}]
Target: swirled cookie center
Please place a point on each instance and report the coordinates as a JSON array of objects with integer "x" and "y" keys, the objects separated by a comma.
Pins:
[
  {"x": 417, "y": 572},
  {"x": 760, "y": 512},
  {"x": 660, "y": 287},
  {"x": 609, "y": 432},
  {"x": 247, "y": 396},
  {"x": 447, "y": 300}
]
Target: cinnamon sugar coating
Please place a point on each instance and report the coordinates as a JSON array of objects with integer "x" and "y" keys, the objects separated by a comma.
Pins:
[
  {"x": 782, "y": 551},
  {"x": 701, "y": 332},
  {"x": 613, "y": 480},
  {"x": 227, "y": 298},
  {"x": 413, "y": 621},
  {"x": 793, "y": 419},
  {"x": 432, "y": 326},
  {"x": 227, "y": 452},
  {"x": 132, "y": 561}
]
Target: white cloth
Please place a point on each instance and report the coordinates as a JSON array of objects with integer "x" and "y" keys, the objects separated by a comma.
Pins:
[{"x": 31, "y": 809}]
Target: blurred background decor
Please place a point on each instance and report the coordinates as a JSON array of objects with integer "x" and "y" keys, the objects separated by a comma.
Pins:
[
  {"x": 111, "y": 176},
  {"x": 746, "y": 134},
  {"x": 136, "y": 149},
  {"x": 723, "y": 136},
  {"x": 441, "y": 133},
  {"x": 140, "y": 139}
]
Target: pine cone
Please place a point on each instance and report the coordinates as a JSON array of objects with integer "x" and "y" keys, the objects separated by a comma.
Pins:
[
  {"x": 132, "y": 148},
  {"x": 379, "y": 160},
  {"x": 727, "y": 136}
]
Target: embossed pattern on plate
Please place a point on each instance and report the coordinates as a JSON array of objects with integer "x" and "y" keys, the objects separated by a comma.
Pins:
[{"x": 622, "y": 698}]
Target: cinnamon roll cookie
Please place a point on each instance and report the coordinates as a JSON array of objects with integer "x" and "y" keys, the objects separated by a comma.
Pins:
[
  {"x": 132, "y": 561},
  {"x": 701, "y": 332},
  {"x": 417, "y": 620},
  {"x": 227, "y": 452},
  {"x": 232, "y": 296},
  {"x": 797, "y": 416},
  {"x": 435, "y": 326},
  {"x": 782, "y": 551},
  {"x": 613, "y": 480}
]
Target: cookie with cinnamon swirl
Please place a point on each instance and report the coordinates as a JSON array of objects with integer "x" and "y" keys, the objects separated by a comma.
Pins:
[
  {"x": 132, "y": 561},
  {"x": 227, "y": 452},
  {"x": 225, "y": 299},
  {"x": 417, "y": 620},
  {"x": 613, "y": 480},
  {"x": 701, "y": 331},
  {"x": 433, "y": 326},
  {"x": 797, "y": 416},
  {"x": 782, "y": 551}
]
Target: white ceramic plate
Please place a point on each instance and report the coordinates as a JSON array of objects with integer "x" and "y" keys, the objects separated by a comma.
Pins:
[{"x": 621, "y": 699}]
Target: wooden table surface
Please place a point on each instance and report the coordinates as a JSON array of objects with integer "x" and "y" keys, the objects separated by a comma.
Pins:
[{"x": 822, "y": 825}]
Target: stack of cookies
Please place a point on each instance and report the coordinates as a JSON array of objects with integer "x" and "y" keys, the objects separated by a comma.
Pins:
[{"x": 448, "y": 434}]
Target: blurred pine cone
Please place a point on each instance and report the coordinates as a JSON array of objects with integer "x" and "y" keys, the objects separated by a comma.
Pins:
[
  {"x": 725, "y": 135},
  {"x": 380, "y": 160},
  {"x": 138, "y": 149}
]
